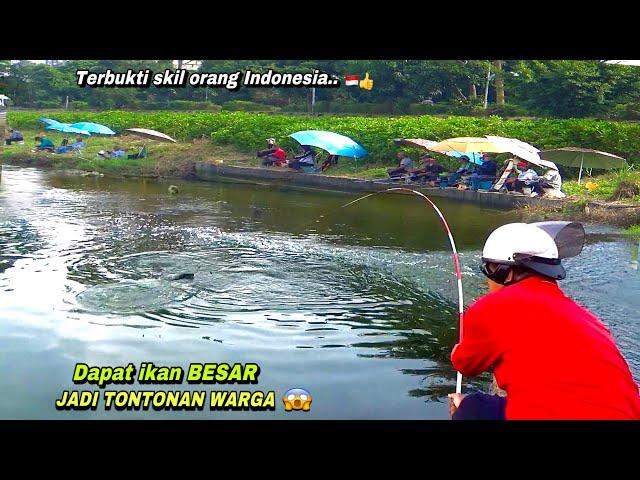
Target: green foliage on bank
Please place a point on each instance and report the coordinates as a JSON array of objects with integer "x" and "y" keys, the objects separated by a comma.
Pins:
[{"x": 248, "y": 131}]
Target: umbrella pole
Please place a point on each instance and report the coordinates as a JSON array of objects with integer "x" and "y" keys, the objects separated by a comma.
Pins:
[{"x": 580, "y": 174}]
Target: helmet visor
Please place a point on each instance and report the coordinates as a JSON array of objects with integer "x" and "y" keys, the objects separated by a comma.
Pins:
[{"x": 569, "y": 237}]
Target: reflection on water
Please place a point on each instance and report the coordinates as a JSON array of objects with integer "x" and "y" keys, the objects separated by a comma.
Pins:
[
  {"x": 357, "y": 305},
  {"x": 635, "y": 253}
]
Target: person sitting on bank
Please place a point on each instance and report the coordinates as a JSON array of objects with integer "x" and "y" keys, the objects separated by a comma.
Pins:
[
  {"x": 43, "y": 144},
  {"x": 117, "y": 152},
  {"x": 556, "y": 361},
  {"x": 462, "y": 174},
  {"x": 527, "y": 179},
  {"x": 272, "y": 155},
  {"x": 515, "y": 167},
  {"x": 306, "y": 159},
  {"x": 429, "y": 171},
  {"x": 486, "y": 172},
  {"x": 14, "y": 137},
  {"x": 79, "y": 144},
  {"x": 404, "y": 166},
  {"x": 489, "y": 168},
  {"x": 66, "y": 148},
  {"x": 550, "y": 184}
]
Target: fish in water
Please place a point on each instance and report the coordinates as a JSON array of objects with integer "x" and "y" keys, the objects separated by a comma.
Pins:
[
  {"x": 173, "y": 189},
  {"x": 182, "y": 276}
]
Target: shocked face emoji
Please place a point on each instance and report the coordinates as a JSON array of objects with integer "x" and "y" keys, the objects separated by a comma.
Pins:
[{"x": 297, "y": 399}]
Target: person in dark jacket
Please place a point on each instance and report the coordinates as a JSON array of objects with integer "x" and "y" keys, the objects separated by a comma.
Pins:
[
  {"x": 429, "y": 171},
  {"x": 14, "y": 136}
]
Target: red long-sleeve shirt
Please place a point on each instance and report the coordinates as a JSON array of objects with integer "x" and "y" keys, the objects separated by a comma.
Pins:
[{"x": 554, "y": 358}]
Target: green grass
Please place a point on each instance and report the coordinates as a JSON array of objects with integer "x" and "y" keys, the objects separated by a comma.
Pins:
[
  {"x": 348, "y": 167},
  {"x": 163, "y": 158},
  {"x": 633, "y": 230},
  {"x": 606, "y": 185}
]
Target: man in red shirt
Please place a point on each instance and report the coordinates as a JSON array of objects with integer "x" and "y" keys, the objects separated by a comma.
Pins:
[
  {"x": 554, "y": 358},
  {"x": 273, "y": 155}
]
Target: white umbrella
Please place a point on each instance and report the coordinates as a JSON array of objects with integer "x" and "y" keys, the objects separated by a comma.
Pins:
[
  {"x": 152, "y": 134},
  {"x": 523, "y": 150},
  {"x": 416, "y": 142},
  {"x": 514, "y": 141}
]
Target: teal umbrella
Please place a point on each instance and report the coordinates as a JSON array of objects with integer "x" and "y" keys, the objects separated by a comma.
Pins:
[
  {"x": 333, "y": 143},
  {"x": 49, "y": 121},
  {"x": 583, "y": 158},
  {"x": 93, "y": 128},
  {"x": 66, "y": 128}
]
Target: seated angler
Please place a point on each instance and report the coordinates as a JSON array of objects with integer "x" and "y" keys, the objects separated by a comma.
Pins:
[
  {"x": 404, "y": 166},
  {"x": 44, "y": 144},
  {"x": 462, "y": 174},
  {"x": 484, "y": 173},
  {"x": 14, "y": 137},
  {"x": 429, "y": 171},
  {"x": 550, "y": 184},
  {"x": 306, "y": 159},
  {"x": 273, "y": 155}
]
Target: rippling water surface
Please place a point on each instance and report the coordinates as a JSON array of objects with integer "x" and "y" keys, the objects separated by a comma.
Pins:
[{"x": 356, "y": 305}]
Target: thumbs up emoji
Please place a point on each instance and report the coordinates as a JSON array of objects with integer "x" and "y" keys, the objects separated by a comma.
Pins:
[{"x": 366, "y": 83}]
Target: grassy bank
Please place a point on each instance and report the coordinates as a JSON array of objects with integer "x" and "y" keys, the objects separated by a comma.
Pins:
[
  {"x": 164, "y": 159},
  {"x": 603, "y": 187},
  {"x": 246, "y": 131},
  {"x": 634, "y": 230}
]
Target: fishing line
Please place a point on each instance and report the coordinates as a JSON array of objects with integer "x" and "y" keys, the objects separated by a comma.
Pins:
[{"x": 456, "y": 259}]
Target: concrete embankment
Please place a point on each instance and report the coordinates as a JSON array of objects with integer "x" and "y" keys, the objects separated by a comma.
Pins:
[{"x": 213, "y": 172}]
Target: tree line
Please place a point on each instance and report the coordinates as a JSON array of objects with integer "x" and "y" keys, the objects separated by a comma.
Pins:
[{"x": 549, "y": 88}]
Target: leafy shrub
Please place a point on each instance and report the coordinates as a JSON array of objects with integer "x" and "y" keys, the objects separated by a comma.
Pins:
[
  {"x": 79, "y": 105},
  {"x": 507, "y": 110},
  {"x": 626, "y": 111},
  {"x": 248, "y": 106},
  {"x": 191, "y": 105},
  {"x": 47, "y": 104}
]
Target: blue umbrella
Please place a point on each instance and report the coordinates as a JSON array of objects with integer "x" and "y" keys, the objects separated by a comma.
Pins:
[
  {"x": 48, "y": 121},
  {"x": 67, "y": 128},
  {"x": 333, "y": 143},
  {"x": 475, "y": 157},
  {"x": 93, "y": 128}
]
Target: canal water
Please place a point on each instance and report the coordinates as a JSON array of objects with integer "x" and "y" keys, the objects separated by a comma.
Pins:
[{"x": 357, "y": 305}]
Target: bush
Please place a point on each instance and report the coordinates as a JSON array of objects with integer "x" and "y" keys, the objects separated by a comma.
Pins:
[
  {"x": 248, "y": 106},
  {"x": 47, "y": 104},
  {"x": 79, "y": 105},
  {"x": 441, "y": 108},
  {"x": 507, "y": 110},
  {"x": 191, "y": 105},
  {"x": 627, "y": 111}
]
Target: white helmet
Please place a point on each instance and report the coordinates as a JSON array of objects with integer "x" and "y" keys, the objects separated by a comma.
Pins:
[{"x": 536, "y": 246}]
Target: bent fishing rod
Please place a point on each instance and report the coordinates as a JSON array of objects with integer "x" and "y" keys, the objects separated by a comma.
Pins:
[{"x": 456, "y": 259}]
